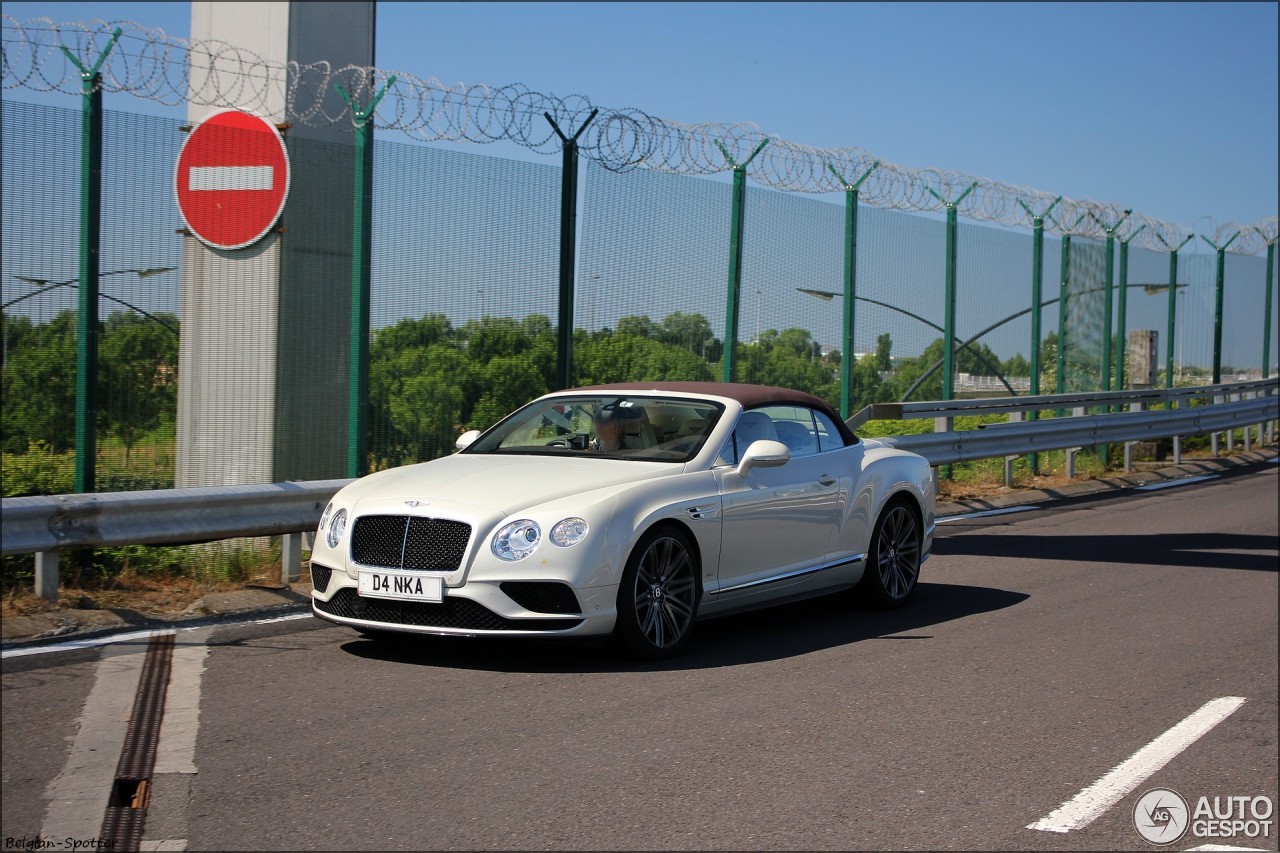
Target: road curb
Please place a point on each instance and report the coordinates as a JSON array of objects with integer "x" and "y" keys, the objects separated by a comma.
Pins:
[
  {"x": 1114, "y": 483},
  {"x": 261, "y": 602}
]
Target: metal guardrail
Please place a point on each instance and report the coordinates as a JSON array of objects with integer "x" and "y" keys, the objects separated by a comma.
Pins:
[
  {"x": 1005, "y": 405},
  {"x": 1017, "y": 439},
  {"x": 46, "y": 524}
]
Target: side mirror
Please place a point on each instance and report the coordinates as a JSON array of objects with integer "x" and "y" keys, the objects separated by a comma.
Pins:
[
  {"x": 764, "y": 454},
  {"x": 466, "y": 438}
]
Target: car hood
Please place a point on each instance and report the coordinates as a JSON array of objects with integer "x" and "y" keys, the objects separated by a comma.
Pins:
[{"x": 504, "y": 483}]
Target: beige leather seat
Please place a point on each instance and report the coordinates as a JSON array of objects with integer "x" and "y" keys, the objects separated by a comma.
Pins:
[
  {"x": 799, "y": 440},
  {"x": 754, "y": 426}
]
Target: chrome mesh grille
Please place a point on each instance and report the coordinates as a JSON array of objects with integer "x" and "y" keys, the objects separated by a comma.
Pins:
[{"x": 409, "y": 542}]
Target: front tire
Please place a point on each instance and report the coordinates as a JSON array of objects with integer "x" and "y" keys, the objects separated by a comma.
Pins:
[
  {"x": 658, "y": 596},
  {"x": 893, "y": 566}
]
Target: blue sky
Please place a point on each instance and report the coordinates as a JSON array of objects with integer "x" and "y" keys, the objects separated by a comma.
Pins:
[{"x": 1168, "y": 108}]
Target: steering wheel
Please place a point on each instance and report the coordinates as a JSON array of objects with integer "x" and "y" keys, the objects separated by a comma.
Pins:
[{"x": 558, "y": 442}]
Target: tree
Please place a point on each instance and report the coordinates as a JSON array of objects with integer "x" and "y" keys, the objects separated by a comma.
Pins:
[
  {"x": 138, "y": 358},
  {"x": 691, "y": 331},
  {"x": 39, "y": 383},
  {"x": 639, "y": 326},
  {"x": 420, "y": 390},
  {"x": 1016, "y": 366},
  {"x": 884, "y": 353},
  {"x": 506, "y": 383}
]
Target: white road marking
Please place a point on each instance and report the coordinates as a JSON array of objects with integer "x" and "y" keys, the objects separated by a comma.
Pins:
[
  {"x": 1086, "y": 806},
  {"x": 78, "y": 795},
  {"x": 985, "y": 512},
  {"x": 176, "y": 751},
  {"x": 1169, "y": 484},
  {"x": 76, "y": 645},
  {"x": 289, "y": 618},
  {"x": 231, "y": 178}
]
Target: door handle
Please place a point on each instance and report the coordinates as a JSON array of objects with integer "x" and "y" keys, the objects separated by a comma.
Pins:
[{"x": 826, "y": 480}]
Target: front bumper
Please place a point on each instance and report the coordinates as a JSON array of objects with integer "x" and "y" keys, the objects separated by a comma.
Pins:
[{"x": 474, "y": 609}]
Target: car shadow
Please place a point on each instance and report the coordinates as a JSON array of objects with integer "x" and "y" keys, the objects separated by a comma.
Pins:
[
  {"x": 763, "y": 635},
  {"x": 1193, "y": 550}
]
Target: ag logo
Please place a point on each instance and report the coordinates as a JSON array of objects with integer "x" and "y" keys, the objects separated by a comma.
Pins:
[{"x": 1161, "y": 816}]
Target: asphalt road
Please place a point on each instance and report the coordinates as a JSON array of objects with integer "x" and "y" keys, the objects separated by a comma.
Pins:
[{"x": 1043, "y": 649}]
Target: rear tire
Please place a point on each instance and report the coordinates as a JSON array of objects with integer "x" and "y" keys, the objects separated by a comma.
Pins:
[
  {"x": 893, "y": 564},
  {"x": 658, "y": 596}
]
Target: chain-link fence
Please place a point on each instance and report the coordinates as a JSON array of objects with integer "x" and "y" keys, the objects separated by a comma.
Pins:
[{"x": 466, "y": 291}]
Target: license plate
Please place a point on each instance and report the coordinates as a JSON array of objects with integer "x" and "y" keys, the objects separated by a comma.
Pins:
[{"x": 408, "y": 586}]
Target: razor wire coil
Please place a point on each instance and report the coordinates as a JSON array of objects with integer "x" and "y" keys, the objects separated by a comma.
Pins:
[{"x": 148, "y": 63}]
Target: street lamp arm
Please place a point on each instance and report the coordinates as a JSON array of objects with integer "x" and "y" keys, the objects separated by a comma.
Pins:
[
  {"x": 937, "y": 364},
  {"x": 45, "y": 289},
  {"x": 146, "y": 314}
]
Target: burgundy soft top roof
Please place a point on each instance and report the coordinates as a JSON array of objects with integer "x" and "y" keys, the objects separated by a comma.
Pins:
[{"x": 750, "y": 396}]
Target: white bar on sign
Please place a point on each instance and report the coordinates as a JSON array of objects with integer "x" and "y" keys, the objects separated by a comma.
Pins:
[{"x": 231, "y": 178}]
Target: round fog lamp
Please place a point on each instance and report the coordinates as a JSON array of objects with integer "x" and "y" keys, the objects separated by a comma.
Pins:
[{"x": 569, "y": 531}]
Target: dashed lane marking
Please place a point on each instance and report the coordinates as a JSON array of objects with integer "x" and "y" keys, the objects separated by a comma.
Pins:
[{"x": 1085, "y": 807}]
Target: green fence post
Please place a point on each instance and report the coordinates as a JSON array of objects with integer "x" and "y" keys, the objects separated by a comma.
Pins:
[
  {"x": 850, "y": 285},
  {"x": 729, "y": 362},
  {"x": 568, "y": 242},
  {"x": 949, "y": 310},
  {"x": 1108, "y": 341},
  {"x": 361, "y": 274},
  {"x": 1122, "y": 322},
  {"x": 1065, "y": 266},
  {"x": 1266, "y": 313},
  {"x": 90, "y": 240},
  {"x": 1171, "y": 326},
  {"x": 1217, "y": 303},
  {"x": 1037, "y": 296}
]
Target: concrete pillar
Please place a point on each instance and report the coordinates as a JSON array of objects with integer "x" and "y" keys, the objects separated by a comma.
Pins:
[{"x": 263, "y": 357}]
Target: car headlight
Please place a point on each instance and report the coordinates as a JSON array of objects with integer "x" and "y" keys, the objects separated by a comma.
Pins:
[
  {"x": 337, "y": 527},
  {"x": 324, "y": 519},
  {"x": 569, "y": 531},
  {"x": 516, "y": 540}
]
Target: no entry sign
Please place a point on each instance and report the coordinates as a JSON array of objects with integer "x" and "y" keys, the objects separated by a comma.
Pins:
[{"x": 232, "y": 179}]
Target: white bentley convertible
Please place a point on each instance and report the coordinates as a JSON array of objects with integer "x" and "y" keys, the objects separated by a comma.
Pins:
[{"x": 631, "y": 510}]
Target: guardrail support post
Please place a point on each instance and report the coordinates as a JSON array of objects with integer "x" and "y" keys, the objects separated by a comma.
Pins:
[
  {"x": 1014, "y": 417},
  {"x": 47, "y": 575},
  {"x": 290, "y": 558},
  {"x": 1128, "y": 445}
]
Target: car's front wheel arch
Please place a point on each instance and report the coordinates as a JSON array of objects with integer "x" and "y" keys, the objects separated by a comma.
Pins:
[
  {"x": 659, "y": 592},
  {"x": 889, "y": 580}
]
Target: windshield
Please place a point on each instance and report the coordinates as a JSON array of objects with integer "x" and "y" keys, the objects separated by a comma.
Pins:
[{"x": 613, "y": 426}]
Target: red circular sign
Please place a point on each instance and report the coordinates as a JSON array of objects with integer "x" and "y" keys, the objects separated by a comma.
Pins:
[{"x": 232, "y": 179}]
